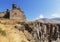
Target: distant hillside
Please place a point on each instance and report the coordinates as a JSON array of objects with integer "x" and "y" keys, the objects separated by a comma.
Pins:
[
  {"x": 56, "y": 19},
  {"x": 52, "y": 20}
]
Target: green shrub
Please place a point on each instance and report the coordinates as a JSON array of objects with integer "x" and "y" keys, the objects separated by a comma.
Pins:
[{"x": 2, "y": 32}]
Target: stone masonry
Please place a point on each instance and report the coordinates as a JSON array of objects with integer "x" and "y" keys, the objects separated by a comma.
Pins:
[{"x": 15, "y": 13}]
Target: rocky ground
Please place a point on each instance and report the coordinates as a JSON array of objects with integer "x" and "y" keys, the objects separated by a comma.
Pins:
[
  {"x": 10, "y": 31},
  {"x": 16, "y": 31}
]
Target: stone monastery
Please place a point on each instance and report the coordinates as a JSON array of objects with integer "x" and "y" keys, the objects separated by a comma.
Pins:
[{"x": 15, "y": 13}]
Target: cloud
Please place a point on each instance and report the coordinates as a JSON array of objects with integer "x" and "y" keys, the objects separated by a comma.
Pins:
[
  {"x": 40, "y": 16},
  {"x": 55, "y": 15}
]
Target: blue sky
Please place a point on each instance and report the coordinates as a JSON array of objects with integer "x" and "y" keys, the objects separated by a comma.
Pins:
[{"x": 34, "y": 9}]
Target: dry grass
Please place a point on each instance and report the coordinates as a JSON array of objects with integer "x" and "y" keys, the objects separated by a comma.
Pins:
[{"x": 12, "y": 34}]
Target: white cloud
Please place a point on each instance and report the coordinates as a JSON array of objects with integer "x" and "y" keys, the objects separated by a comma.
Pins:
[
  {"x": 55, "y": 15},
  {"x": 40, "y": 16}
]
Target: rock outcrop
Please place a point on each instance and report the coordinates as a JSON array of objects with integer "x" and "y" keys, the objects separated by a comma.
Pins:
[{"x": 24, "y": 31}]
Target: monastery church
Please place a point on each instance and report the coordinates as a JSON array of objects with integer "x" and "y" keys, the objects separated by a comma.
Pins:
[{"x": 15, "y": 13}]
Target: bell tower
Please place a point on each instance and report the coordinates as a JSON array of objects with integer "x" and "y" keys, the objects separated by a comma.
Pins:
[{"x": 14, "y": 6}]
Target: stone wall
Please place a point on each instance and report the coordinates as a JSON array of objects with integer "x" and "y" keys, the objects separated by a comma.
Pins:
[{"x": 15, "y": 13}]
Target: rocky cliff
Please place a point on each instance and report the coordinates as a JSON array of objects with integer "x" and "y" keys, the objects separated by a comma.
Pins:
[{"x": 28, "y": 31}]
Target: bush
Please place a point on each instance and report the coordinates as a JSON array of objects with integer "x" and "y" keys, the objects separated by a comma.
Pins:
[{"x": 2, "y": 32}]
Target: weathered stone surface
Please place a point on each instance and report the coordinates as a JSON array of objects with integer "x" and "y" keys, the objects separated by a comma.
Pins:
[
  {"x": 33, "y": 31},
  {"x": 15, "y": 13}
]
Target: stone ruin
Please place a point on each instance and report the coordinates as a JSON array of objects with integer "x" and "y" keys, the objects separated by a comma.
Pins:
[{"x": 15, "y": 13}]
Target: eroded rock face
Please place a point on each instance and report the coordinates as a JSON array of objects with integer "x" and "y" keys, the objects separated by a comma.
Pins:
[
  {"x": 18, "y": 31},
  {"x": 44, "y": 32}
]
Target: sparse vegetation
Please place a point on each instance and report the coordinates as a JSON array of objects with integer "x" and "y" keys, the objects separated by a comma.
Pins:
[
  {"x": 23, "y": 41},
  {"x": 2, "y": 32}
]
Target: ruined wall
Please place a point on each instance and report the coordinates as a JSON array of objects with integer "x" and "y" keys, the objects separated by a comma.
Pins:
[
  {"x": 2, "y": 14},
  {"x": 17, "y": 14}
]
